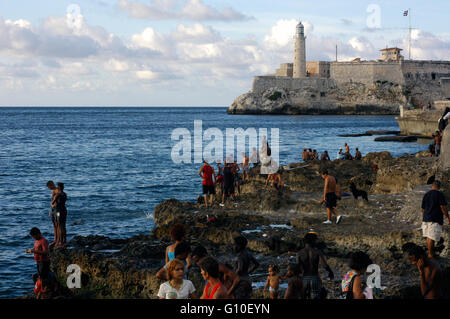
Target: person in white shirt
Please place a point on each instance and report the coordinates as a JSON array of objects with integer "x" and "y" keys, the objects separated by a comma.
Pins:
[{"x": 176, "y": 287}]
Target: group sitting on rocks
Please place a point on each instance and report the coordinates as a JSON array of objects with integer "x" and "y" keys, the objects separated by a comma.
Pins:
[{"x": 311, "y": 155}]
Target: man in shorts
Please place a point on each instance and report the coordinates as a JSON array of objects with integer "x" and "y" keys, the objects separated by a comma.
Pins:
[
  {"x": 207, "y": 173},
  {"x": 40, "y": 251},
  {"x": 330, "y": 197},
  {"x": 434, "y": 207},
  {"x": 228, "y": 182}
]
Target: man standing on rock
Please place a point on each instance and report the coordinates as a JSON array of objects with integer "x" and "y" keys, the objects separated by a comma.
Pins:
[
  {"x": 207, "y": 173},
  {"x": 329, "y": 197},
  {"x": 228, "y": 182},
  {"x": 40, "y": 251},
  {"x": 434, "y": 207}
]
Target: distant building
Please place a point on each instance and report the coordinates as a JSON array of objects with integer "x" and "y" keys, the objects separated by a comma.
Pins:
[
  {"x": 286, "y": 69},
  {"x": 391, "y": 54}
]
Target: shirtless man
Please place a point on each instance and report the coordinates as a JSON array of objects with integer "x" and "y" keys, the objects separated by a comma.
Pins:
[
  {"x": 305, "y": 155},
  {"x": 245, "y": 167},
  {"x": 429, "y": 271},
  {"x": 309, "y": 259},
  {"x": 347, "y": 149},
  {"x": 329, "y": 197}
]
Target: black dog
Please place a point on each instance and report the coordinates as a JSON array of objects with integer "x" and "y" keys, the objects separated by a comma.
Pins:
[{"x": 357, "y": 192}]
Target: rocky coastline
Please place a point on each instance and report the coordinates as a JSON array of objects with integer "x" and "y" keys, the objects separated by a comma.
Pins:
[
  {"x": 380, "y": 98},
  {"x": 275, "y": 223}
]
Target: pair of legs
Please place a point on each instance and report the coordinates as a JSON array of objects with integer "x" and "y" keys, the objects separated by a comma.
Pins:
[
  {"x": 273, "y": 294},
  {"x": 56, "y": 232},
  {"x": 211, "y": 199},
  {"x": 331, "y": 210},
  {"x": 430, "y": 245},
  {"x": 62, "y": 230},
  {"x": 226, "y": 193}
]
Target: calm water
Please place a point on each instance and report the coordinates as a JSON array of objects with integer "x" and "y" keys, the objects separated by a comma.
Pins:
[{"x": 116, "y": 165}]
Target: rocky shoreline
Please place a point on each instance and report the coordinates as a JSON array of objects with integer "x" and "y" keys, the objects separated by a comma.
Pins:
[
  {"x": 275, "y": 223},
  {"x": 381, "y": 98}
]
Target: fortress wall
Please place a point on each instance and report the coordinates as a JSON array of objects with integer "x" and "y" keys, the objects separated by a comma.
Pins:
[
  {"x": 262, "y": 83},
  {"x": 430, "y": 71},
  {"x": 366, "y": 72}
]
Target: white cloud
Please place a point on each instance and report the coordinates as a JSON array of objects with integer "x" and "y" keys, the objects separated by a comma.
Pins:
[
  {"x": 152, "y": 40},
  {"x": 189, "y": 56},
  {"x": 146, "y": 75},
  {"x": 116, "y": 65},
  {"x": 194, "y": 10},
  {"x": 198, "y": 33}
]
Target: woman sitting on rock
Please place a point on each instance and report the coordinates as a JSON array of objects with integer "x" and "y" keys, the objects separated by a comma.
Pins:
[
  {"x": 352, "y": 283},
  {"x": 178, "y": 234},
  {"x": 176, "y": 287}
]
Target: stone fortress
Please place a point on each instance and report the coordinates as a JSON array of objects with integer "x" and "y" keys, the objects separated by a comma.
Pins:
[{"x": 351, "y": 87}]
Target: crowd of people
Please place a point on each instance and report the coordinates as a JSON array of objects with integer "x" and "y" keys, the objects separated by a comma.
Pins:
[
  {"x": 222, "y": 281},
  {"x": 311, "y": 155}
]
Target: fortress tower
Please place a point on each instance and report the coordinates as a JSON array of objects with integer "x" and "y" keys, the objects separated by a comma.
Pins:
[{"x": 300, "y": 52}]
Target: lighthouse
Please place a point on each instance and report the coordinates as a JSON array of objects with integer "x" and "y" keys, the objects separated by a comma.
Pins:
[{"x": 300, "y": 52}]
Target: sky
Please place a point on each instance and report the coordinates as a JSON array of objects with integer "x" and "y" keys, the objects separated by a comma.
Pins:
[{"x": 191, "y": 52}]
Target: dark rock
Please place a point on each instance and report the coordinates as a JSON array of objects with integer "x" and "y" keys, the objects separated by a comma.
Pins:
[{"x": 382, "y": 132}]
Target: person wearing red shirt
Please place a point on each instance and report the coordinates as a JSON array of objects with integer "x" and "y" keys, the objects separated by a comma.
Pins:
[
  {"x": 207, "y": 173},
  {"x": 40, "y": 251}
]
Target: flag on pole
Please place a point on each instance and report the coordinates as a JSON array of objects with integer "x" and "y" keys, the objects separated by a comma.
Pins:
[{"x": 405, "y": 13}]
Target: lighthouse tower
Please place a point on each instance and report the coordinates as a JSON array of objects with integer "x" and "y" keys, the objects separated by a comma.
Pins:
[{"x": 300, "y": 52}]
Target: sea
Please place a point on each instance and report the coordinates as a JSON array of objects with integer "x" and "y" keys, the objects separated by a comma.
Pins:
[{"x": 117, "y": 164}]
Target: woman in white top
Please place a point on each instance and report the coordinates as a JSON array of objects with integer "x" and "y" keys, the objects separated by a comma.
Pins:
[{"x": 176, "y": 287}]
